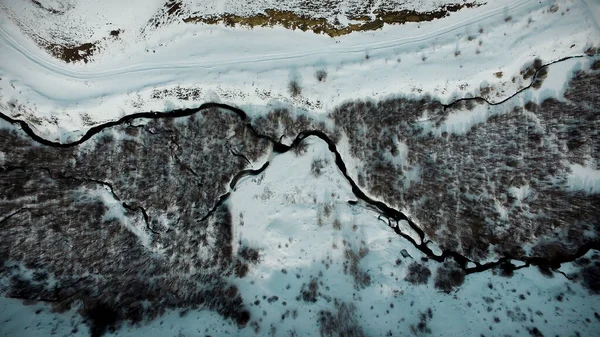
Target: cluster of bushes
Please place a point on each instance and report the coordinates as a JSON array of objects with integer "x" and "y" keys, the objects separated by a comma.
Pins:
[
  {"x": 422, "y": 327},
  {"x": 510, "y": 149},
  {"x": 340, "y": 323},
  {"x": 176, "y": 170},
  {"x": 309, "y": 293},
  {"x": 362, "y": 279},
  {"x": 417, "y": 274},
  {"x": 449, "y": 277},
  {"x": 317, "y": 166}
]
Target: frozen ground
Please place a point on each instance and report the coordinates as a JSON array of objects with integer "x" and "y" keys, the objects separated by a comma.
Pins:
[{"x": 448, "y": 58}]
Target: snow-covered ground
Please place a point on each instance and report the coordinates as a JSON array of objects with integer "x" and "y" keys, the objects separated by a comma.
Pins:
[
  {"x": 447, "y": 58},
  {"x": 297, "y": 217},
  {"x": 290, "y": 215}
]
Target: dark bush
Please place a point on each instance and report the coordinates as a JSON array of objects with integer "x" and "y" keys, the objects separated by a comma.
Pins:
[
  {"x": 506, "y": 269},
  {"x": 417, "y": 274},
  {"x": 546, "y": 271},
  {"x": 251, "y": 255},
  {"x": 317, "y": 166},
  {"x": 101, "y": 316},
  {"x": 449, "y": 277},
  {"x": 240, "y": 269},
  {"x": 591, "y": 277},
  {"x": 535, "y": 332},
  {"x": 242, "y": 318},
  {"x": 342, "y": 323},
  {"x": 422, "y": 327},
  {"x": 321, "y": 75},
  {"x": 309, "y": 293},
  {"x": 294, "y": 88}
]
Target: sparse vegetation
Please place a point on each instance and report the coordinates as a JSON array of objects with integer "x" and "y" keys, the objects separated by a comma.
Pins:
[
  {"x": 422, "y": 327},
  {"x": 361, "y": 278},
  {"x": 317, "y": 166},
  {"x": 309, "y": 293},
  {"x": 341, "y": 323}
]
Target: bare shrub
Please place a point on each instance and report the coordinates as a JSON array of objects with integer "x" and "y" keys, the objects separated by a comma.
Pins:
[
  {"x": 342, "y": 323},
  {"x": 321, "y": 75},
  {"x": 240, "y": 269},
  {"x": 251, "y": 255},
  {"x": 300, "y": 148},
  {"x": 309, "y": 293},
  {"x": 535, "y": 332},
  {"x": 422, "y": 328},
  {"x": 545, "y": 270},
  {"x": 100, "y": 316},
  {"x": 417, "y": 274},
  {"x": 591, "y": 277},
  {"x": 505, "y": 269},
  {"x": 591, "y": 51},
  {"x": 362, "y": 279},
  {"x": 337, "y": 224},
  {"x": 294, "y": 88},
  {"x": 317, "y": 167},
  {"x": 541, "y": 75},
  {"x": 449, "y": 277}
]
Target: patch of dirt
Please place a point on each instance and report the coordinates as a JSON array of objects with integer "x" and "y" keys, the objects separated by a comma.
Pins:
[
  {"x": 292, "y": 20},
  {"x": 68, "y": 54}
]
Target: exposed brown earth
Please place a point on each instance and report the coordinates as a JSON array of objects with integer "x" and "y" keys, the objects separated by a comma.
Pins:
[{"x": 292, "y": 20}]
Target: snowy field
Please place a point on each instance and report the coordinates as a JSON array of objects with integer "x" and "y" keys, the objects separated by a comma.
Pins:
[{"x": 449, "y": 58}]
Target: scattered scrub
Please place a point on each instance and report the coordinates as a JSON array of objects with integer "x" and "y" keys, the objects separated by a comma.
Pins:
[
  {"x": 317, "y": 166},
  {"x": 341, "y": 323},
  {"x": 422, "y": 327},
  {"x": 309, "y": 293},
  {"x": 362, "y": 279}
]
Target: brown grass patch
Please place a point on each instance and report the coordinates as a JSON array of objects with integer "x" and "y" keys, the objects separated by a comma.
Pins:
[
  {"x": 291, "y": 20},
  {"x": 73, "y": 54}
]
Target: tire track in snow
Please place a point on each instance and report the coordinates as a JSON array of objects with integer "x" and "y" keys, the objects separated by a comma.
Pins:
[{"x": 54, "y": 66}]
